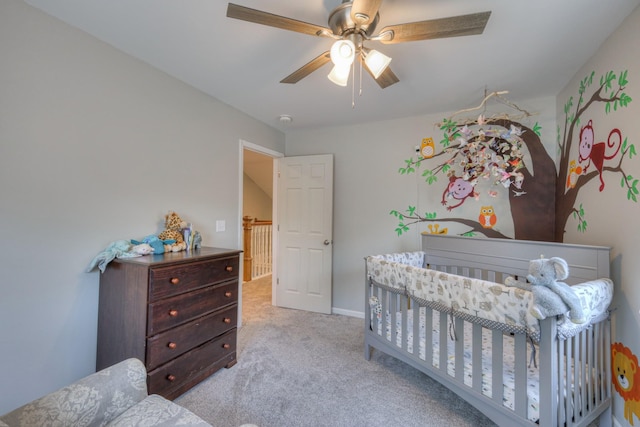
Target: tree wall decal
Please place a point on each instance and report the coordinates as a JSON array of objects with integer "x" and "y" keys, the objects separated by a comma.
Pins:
[
  {"x": 541, "y": 199},
  {"x": 610, "y": 94}
]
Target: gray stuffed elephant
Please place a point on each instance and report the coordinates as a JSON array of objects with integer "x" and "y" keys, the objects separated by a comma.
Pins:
[{"x": 551, "y": 297}]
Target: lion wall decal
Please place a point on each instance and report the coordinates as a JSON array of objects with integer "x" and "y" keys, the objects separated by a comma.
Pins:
[{"x": 626, "y": 379}]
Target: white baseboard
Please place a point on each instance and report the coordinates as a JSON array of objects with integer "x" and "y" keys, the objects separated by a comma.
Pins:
[{"x": 350, "y": 313}]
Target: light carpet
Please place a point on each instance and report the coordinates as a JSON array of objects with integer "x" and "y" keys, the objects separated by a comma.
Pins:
[{"x": 297, "y": 368}]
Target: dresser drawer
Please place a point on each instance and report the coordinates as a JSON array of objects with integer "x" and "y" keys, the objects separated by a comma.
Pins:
[
  {"x": 176, "y": 279},
  {"x": 187, "y": 367},
  {"x": 174, "y": 311},
  {"x": 170, "y": 344}
]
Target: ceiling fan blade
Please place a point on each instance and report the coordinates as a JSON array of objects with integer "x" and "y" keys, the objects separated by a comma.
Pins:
[
  {"x": 386, "y": 79},
  {"x": 271, "y": 20},
  {"x": 307, "y": 69},
  {"x": 463, "y": 25},
  {"x": 364, "y": 11}
]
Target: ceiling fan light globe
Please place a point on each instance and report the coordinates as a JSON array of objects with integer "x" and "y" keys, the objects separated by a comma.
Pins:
[
  {"x": 376, "y": 62},
  {"x": 340, "y": 74},
  {"x": 343, "y": 52}
]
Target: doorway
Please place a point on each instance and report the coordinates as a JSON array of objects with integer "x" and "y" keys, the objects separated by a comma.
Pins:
[{"x": 257, "y": 203}]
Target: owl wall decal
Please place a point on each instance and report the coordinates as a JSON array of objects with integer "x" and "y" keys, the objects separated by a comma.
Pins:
[
  {"x": 427, "y": 148},
  {"x": 574, "y": 174},
  {"x": 487, "y": 218}
]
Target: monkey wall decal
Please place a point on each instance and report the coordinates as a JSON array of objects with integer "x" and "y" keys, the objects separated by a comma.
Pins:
[
  {"x": 458, "y": 189},
  {"x": 596, "y": 153}
]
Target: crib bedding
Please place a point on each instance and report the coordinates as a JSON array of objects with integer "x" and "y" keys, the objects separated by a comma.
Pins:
[
  {"x": 508, "y": 357},
  {"x": 481, "y": 299}
]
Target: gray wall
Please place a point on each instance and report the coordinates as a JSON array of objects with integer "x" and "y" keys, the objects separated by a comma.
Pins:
[
  {"x": 367, "y": 186},
  {"x": 94, "y": 147},
  {"x": 612, "y": 219}
]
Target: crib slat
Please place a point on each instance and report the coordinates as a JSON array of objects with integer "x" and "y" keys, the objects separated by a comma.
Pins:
[
  {"x": 369, "y": 316},
  {"x": 570, "y": 377},
  {"x": 577, "y": 377},
  {"x": 520, "y": 392},
  {"x": 459, "y": 349},
  {"x": 491, "y": 277},
  {"x": 404, "y": 303},
  {"x": 465, "y": 272},
  {"x": 600, "y": 363},
  {"x": 476, "y": 358},
  {"x": 597, "y": 364},
  {"x": 585, "y": 365},
  {"x": 416, "y": 329},
  {"x": 549, "y": 377},
  {"x": 562, "y": 375},
  {"x": 497, "y": 356},
  {"x": 390, "y": 321},
  {"x": 368, "y": 321},
  {"x": 443, "y": 343},
  {"x": 607, "y": 369},
  {"x": 588, "y": 394},
  {"x": 428, "y": 336}
]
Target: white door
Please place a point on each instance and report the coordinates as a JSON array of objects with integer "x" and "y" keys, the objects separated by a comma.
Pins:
[{"x": 304, "y": 232}]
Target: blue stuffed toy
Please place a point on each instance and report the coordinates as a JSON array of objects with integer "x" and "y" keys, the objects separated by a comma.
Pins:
[{"x": 155, "y": 243}]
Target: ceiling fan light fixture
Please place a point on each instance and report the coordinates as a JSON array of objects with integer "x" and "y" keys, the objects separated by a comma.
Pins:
[
  {"x": 376, "y": 61},
  {"x": 340, "y": 74},
  {"x": 343, "y": 52}
]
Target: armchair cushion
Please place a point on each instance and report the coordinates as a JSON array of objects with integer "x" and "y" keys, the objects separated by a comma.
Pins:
[
  {"x": 157, "y": 411},
  {"x": 117, "y": 395}
]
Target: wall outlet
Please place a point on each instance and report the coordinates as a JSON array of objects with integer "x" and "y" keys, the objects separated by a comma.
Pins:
[{"x": 220, "y": 225}]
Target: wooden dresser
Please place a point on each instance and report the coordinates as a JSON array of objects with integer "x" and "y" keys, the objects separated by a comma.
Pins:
[{"x": 177, "y": 312}]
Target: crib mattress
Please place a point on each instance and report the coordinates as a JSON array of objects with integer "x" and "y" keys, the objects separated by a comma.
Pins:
[{"x": 508, "y": 359}]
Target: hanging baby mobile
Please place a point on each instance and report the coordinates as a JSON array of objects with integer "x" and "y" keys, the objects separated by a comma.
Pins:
[{"x": 480, "y": 151}]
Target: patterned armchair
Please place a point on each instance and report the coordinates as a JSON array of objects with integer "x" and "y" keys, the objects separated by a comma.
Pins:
[{"x": 115, "y": 396}]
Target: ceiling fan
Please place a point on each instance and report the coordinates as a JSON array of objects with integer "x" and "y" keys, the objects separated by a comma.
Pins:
[{"x": 352, "y": 24}]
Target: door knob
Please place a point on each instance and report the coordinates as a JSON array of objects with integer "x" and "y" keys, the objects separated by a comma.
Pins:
[{"x": 326, "y": 242}]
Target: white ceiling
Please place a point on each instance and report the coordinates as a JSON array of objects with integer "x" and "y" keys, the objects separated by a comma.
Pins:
[{"x": 529, "y": 47}]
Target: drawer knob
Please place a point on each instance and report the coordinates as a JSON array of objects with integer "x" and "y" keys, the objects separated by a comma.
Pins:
[
  {"x": 227, "y": 320},
  {"x": 171, "y": 377},
  {"x": 229, "y": 268},
  {"x": 226, "y": 346},
  {"x": 228, "y": 294},
  {"x": 172, "y": 345},
  {"x": 175, "y": 281},
  {"x": 173, "y": 313}
]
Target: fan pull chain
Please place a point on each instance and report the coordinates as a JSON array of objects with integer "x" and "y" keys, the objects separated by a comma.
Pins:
[
  {"x": 360, "y": 92},
  {"x": 353, "y": 86}
]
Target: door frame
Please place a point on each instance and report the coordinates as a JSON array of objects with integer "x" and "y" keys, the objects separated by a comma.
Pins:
[{"x": 274, "y": 249}]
